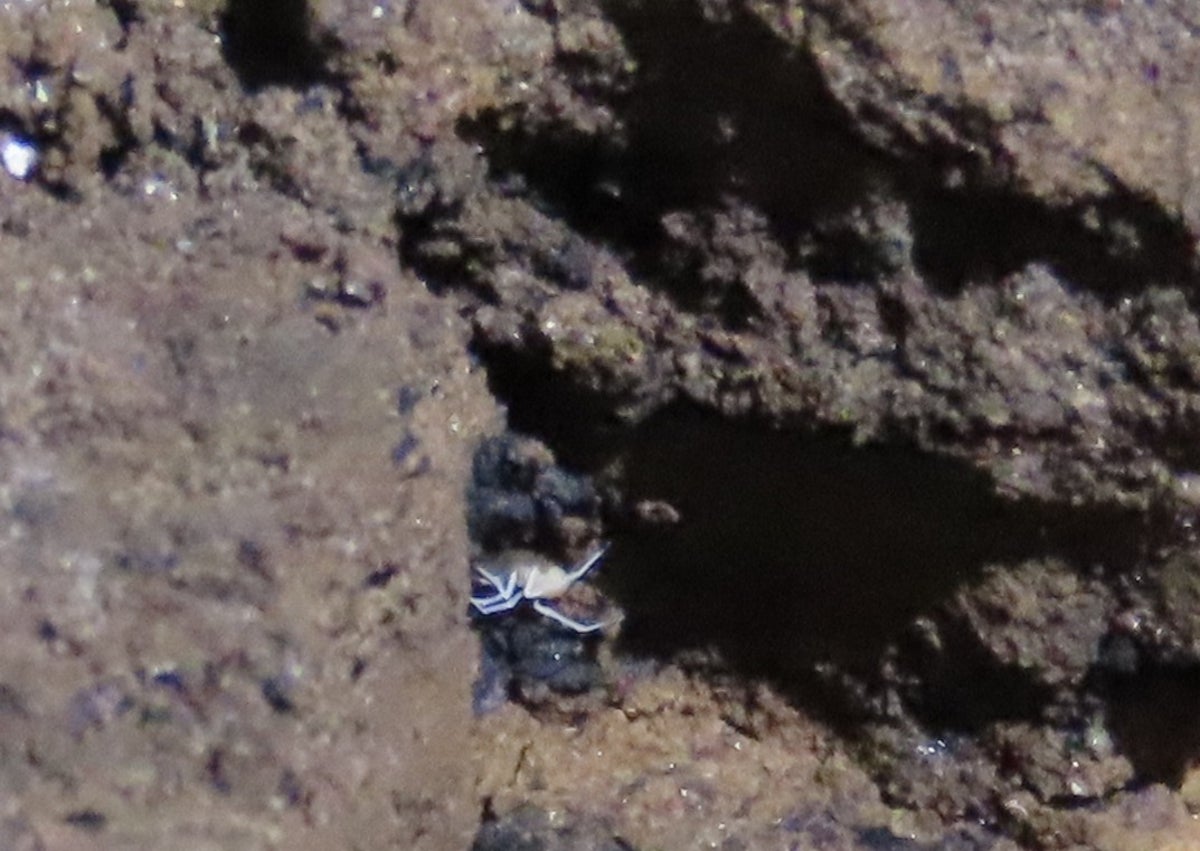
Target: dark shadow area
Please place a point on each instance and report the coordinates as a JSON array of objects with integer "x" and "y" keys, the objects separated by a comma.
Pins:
[
  {"x": 959, "y": 238},
  {"x": 269, "y": 42},
  {"x": 725, "y": 114},
  {"x": 127, "y": 14},
  {"x": 1154, "y": 722},
  {"x": 578, "y": 424},
  {"x": 1150, "y": 707},
  {"x": 729, "y": 108},
  {"x": 795, "y": 552},
  {"x": 716, "y": 112},
  {"x": 794, "y": 549},
  {"x": 979, "y": 236},
  {"x": 963, "y": 687}
]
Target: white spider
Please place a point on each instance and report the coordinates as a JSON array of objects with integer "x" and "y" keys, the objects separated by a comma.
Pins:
[{"x": 528, "y": 581}]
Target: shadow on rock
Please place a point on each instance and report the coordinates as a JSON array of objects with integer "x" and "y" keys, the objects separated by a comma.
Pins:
[
  {"x": 1150, "y": 700},
  {"x": 530, "y": 829},
  {"x": 795, "y": 553}
]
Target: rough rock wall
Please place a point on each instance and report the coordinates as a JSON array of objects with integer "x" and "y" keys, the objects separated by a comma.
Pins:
[
  {"x": 888, "y": 307},
  {"x": 873, "y": 322}
]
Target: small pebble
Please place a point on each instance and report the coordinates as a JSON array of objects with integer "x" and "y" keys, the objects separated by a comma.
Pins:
[{"x": 19, "y": 156}]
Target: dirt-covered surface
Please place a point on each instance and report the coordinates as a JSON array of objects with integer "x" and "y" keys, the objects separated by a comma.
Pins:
[{"x": 865, "y": 334}]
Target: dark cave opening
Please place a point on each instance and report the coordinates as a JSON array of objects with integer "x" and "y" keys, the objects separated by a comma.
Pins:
[
  {"x": 269, "y": 42},
  {"x": 799, "y": 553},
  {"x": 795, "y": 549},
  {"x": 803, "y": 559},
  {"x": 1149, "y": 701},
  {"x": 725, "y": 115},
  {"x": 718, "y": 118}
]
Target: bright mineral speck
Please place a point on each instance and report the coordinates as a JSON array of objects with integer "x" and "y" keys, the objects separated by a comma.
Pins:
[{"x": 19, "y": 156}]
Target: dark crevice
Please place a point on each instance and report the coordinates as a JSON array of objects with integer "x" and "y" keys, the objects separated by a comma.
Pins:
[
  {"x": 799, "y": 548},
  {"x": 738, "y": 309},
  {"x": 578, "y": 177},
  {"x": 716, "y": 112},
  {"x": 1115, "y": 246},
  {"x": 567, "y": 416},
  {"x": 127, "y": 14},
  {"x": 270, "y": 42},
  {"x": 1151, "y": 714},
  {"x": 964, "y": 688},
  {"x": 114, "y": 157},
  {"x": 269, "y": 160},
  {"x": 795, "y": 552},
  {"x": 726, "y": 108},
  {"x": 725, "y": 115},
  {"x": 973, "y": 237}
]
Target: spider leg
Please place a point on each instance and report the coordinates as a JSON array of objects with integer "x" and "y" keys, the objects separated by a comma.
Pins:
[
  {"x": 482, "y": 603},
  {"x": 493, "y": 579},
  {"x": 483, "y": 576},
  {"x": 577, "y": 572},
  {"x": 500, "y": 603},
  {"x": 505, "y": 587},
  {"x": 581, "y": 627}
]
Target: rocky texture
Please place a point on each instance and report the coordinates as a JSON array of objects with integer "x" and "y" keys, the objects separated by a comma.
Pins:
[
  {"x": 235, "y": 442},
  {"x": 953, "y": 334},
  {"x": 873, "y": 324}
]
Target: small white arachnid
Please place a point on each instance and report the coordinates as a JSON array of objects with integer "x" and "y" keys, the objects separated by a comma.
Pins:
[{"x": 535, "y": 583}]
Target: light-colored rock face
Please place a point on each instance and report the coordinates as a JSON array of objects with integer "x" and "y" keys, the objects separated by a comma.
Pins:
[
  {"x": 1081, "y": 100},
  {"x": 237, "y": 435},
  {"x": 874, "y": 322},
  {"x": 233, "y": 570}
]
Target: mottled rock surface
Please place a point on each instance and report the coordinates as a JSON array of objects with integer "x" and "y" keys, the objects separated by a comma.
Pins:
[{"x": 866, "y": 331}]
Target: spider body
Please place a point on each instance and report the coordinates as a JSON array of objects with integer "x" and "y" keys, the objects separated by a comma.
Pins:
[{"x": 537, "y": 583}]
